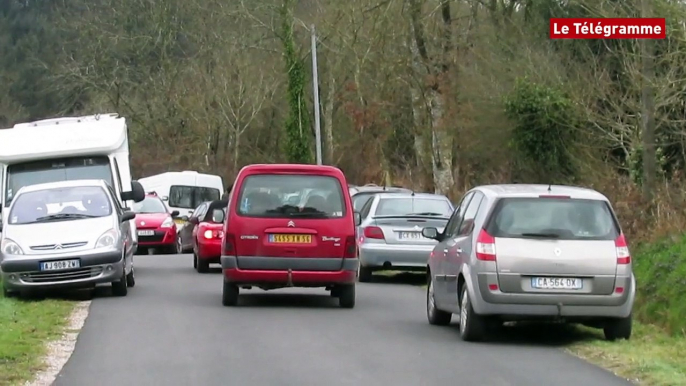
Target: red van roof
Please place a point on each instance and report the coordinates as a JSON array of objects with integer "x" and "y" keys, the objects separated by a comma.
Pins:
[{"x": 291, "y": 168}]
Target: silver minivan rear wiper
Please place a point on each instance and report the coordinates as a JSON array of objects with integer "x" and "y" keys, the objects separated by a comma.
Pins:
[{"x": 541, "y": 235}]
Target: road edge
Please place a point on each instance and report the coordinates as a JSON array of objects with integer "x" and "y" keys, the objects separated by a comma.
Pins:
[{"x": 59, "y": 350}]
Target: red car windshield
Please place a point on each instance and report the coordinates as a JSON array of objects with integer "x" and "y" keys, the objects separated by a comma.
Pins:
[{"x": 150, "y": 204}]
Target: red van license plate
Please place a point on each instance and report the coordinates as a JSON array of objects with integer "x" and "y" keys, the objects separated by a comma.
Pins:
[{"x": 290, "y": 239}]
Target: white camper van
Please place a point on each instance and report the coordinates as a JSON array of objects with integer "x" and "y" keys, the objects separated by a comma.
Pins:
[
  {"x": 68, "y": 148},
  {"x": 184, "y": 191}
]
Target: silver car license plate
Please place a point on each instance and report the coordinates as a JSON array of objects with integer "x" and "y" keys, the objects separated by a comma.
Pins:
[
  {"x": 558, "y": 283},
  {"x": 60, "y": 265}
]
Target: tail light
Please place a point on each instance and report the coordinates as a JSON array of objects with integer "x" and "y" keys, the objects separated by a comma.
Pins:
[
  {"x": 374, "y": 233},
  {"x": 623, "y": 255},
  {"x": 350, "y": 247},
  {"x": 213, "y": 234},
  {"x": 229, "y": 245},
  {"x": 485, "y": 246}
]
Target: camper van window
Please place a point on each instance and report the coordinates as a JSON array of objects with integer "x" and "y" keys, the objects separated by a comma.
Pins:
[
  {"x": 189, "y": 197},
  {"x": 62, "y": 169}
]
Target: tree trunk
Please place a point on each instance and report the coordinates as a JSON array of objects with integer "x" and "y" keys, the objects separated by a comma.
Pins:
[
  {"x": 648, "y": 109},
  {"x": 328, "y": 120}
]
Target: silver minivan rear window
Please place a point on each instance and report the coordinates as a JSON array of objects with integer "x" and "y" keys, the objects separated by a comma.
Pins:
[{"x": 553, "y": 218}]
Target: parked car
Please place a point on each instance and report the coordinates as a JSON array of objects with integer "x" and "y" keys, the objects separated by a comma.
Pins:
[
  {"x": 156, "y": 227},
  {"x": 67, "y": 234},
  {"x": 207, "y": 238},
  {"x": 390, "y": 233},
  {"x": 531, "y": 252},
  {"x": 362, "y": 194},
  {"x": 272, "y": 244},
  {"x": 189, "y": 226}
]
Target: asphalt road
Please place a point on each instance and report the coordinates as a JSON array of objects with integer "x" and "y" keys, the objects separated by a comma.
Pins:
[{"x": 172, "y": 330}]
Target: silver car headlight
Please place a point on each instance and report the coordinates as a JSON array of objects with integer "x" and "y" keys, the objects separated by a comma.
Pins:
[
  {"x": 9, "y": 247},
  {"x": 108, "y": 239}
]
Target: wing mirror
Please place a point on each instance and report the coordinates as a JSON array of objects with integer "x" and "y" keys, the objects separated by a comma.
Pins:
[
  {"x": 194, "y": 220},
  {"x": 431, "y": 233},
  {"x": 218, "y": 216},
  {"x": 127, "y": 216},
  {"x": 175, "y": 214},
  {"x": 137, "y": 194},
  {"x": 358, "y": 218}
]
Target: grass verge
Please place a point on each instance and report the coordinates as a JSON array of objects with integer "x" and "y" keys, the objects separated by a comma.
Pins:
[
  {"x": 25, "y": 328},
  {"x": 651, "y": 358}
]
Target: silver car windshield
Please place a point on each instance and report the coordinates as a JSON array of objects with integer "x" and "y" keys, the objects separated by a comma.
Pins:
[
  {"x": 563, "y": 219},
  {"x": 60, "y": 204}
]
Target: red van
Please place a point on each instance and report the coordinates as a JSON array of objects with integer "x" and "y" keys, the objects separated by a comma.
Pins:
[{"x": 290, "y": 225}]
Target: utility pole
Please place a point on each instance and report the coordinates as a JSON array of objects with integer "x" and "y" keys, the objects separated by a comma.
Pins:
[{"x": 315, "y": 85}]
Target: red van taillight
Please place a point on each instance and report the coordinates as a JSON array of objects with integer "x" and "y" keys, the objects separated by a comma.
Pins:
[
  {"x": 373, "y": 233},
  {"x": 229, "y": 244},
  {"x": 485, "y": 246},
  {"x": 350, "y": 247},
  {"x": 623, "y": 255}
]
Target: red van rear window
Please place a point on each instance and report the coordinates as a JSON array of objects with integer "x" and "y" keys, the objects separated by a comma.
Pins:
[{"x": 291, "y": 196}]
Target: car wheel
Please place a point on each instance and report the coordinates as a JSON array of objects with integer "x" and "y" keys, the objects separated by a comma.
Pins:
[
  {"x": 365, "y": 275},
  {"x": 346, "y": 296},
  {"x": 436, "y": 317},
  {"x": 119, "y": 288},
  {"x": 203, "y": 265},
  {"x": 195, "y": 262},
  {"x": 131, "y": 278},
  {"x": 179, "y": 248},
  {"x": 471, "y": 325},
  {"x": 229, "y": 294},
  {"x": 618, "y": 329}
]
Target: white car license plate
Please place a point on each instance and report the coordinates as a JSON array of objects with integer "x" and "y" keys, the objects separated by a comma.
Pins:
[
  {"x": 59, "y": 265},
  {"x": 411, "y": 236},
  {"x": 564, "y": 283},
  {"x": 146, "y": 233}
]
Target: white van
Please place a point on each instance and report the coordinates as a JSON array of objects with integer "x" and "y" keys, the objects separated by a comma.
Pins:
[
  {"x": 184, "y": 191},
  {"x": 68, "y": 148}
]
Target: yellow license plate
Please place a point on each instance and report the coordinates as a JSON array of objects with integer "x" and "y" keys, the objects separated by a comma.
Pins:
[
  {"x": 291, "y": 239},
  {"x": 179, "y": 221}
]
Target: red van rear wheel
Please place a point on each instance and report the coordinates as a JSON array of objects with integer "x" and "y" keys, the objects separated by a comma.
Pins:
[
  {"x": 346, "y": 296},
  {"x": 229, "y": 294}
]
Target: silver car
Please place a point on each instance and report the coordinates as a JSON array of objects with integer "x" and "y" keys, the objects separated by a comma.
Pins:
[
  {"x": 67, "y": 234},
  {"x": 390, "y": 233},
  {"x": 531, "y": 252}
]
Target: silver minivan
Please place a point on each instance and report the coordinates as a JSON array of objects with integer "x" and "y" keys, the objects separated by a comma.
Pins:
[
  {"x": 68, "y": 234},
  {"x": 531, "y": 252}
]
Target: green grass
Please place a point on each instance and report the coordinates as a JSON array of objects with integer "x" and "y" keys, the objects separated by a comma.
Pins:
[
  {"x": 660, "y": 270},
  {"x": 25, "y": 327},
  {"x": 651, "y": 358}
]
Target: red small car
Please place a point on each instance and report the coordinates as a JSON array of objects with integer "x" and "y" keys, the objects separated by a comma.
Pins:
[
  {"x": 208, "y": 235},
  {"x": 272, "y": 240},
  {"x": 156, "y": 228}
]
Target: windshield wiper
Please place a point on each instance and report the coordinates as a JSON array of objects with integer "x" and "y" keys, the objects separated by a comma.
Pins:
[
  {"x": 426, "y": 214},
  {"x": 541, "y": 235},
  {"x": 64, "y": 216}
]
